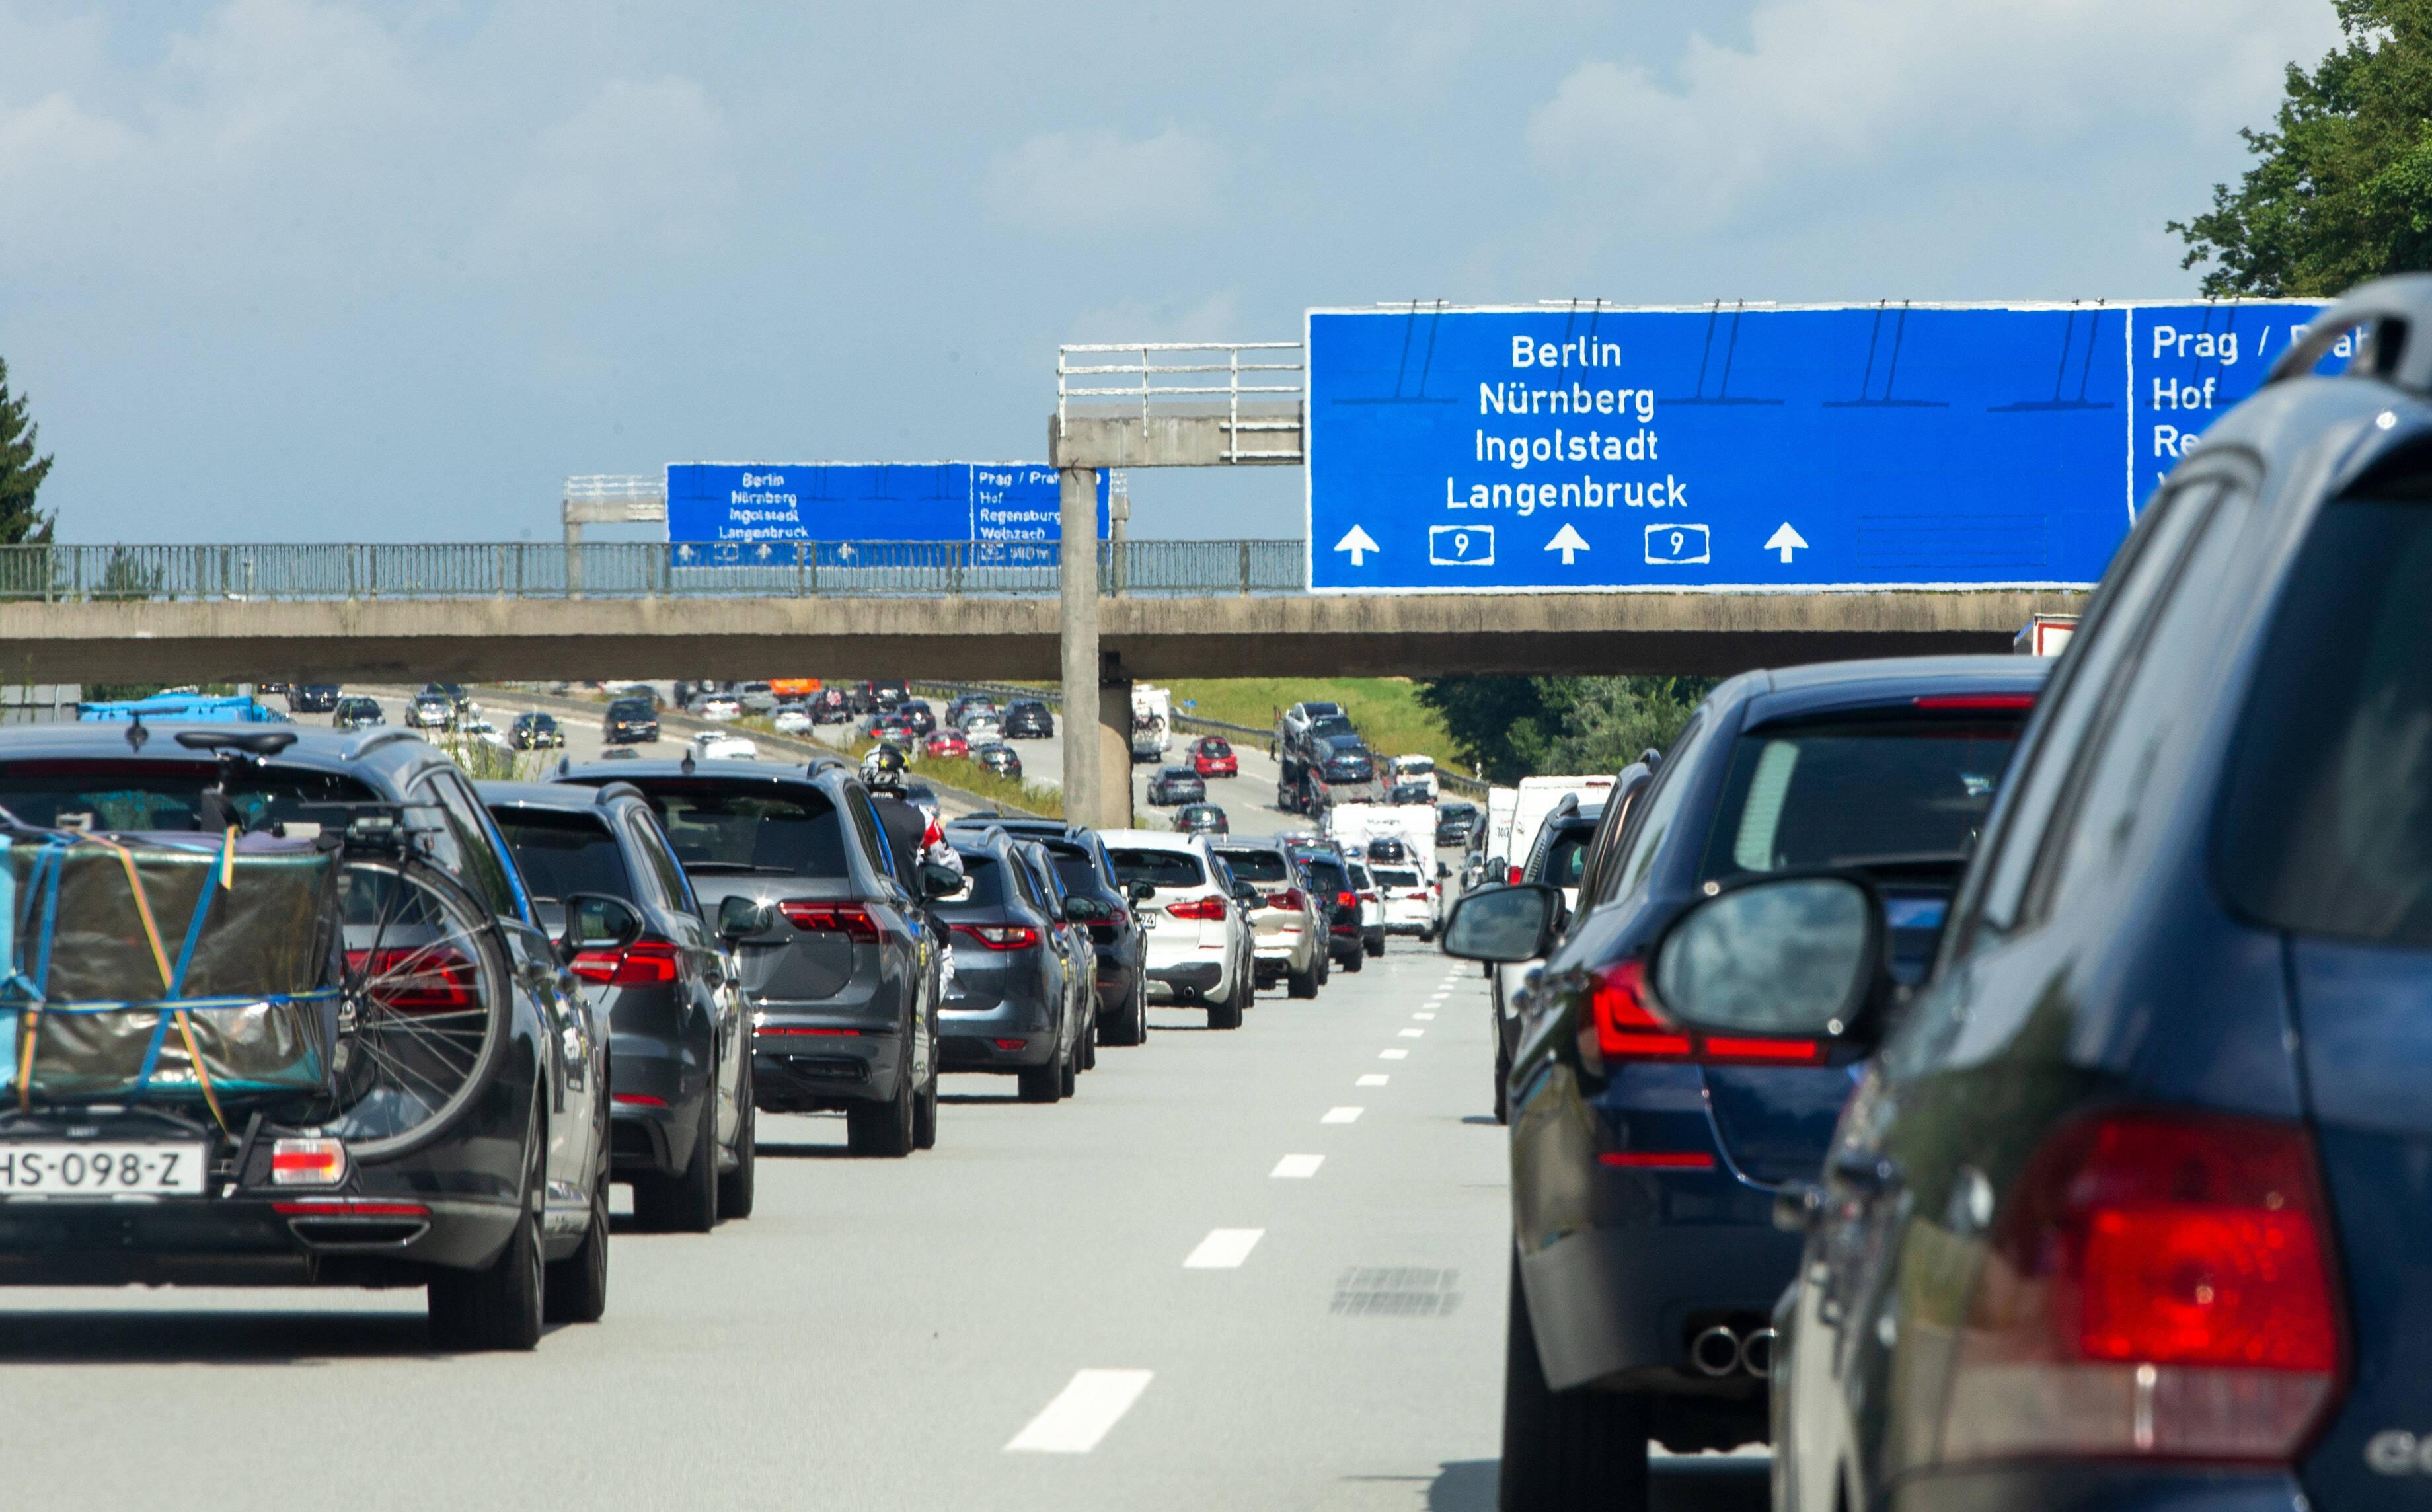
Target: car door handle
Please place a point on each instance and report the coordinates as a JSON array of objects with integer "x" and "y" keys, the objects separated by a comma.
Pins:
[{"x": 1865, "y": 1172}]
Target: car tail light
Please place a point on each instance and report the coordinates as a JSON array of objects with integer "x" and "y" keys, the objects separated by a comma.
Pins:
[
  {"x": 638, "y": 1100},
  {"x": 1346, "y": 900},
  {"x": 642, "y": 964},
  {"x": 1206, "y": 910},
  {"x": 1515, "y": 877},
  {"x": 1627, "y": 1030},
  {"x": 414, "y": 978},
  {"x": 852, "y": 920},
  {"x": 1367, "y": 898},
  {"x": 1974, "y": 700},
  {"x": 348, "y": 1208},
  {"x": 1421, "y": 896},
  {"x": 2157, "y": 1285},
  {"x": 307, "y": 1162},
  {"x": 1000, "y": 936},
  {"x": 1290, "y": 898}
]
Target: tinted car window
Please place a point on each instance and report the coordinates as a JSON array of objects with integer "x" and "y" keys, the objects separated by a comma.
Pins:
[
  {"x": 139, "y": 794},
  {"x": 630, "y": 708},
  {"x": 2327, "y": 827},
  {"x": 1254, "y": 866},
  {"x": 1077, "y": 868},
  {"x": 793, "y": 831},
  {"x": 1566, "y": 858},
  {"x": 1836, "y": 795},
  {"x": 1655, "y": 815},
  {"x": 563, "y": 854},
  {"x": 464, "y": 846},
  {"x": 1397, "y": 879},
  {"x": 1326, "y": 877},
  {"x": 1160, "y": 869},
  {"x": 983, "y": 882}
]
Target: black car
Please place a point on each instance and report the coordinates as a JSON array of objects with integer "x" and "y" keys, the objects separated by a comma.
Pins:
[
  {"x": 1346, "y": 761},
  {"x": 1201, "y": 819},
  {"x": 356, "y": 712},
  {"x": 1330, "y": 881},
  {"x": 830, "y": 706},
  {"x": 1645, "y": 1160},
  {"x": 1003, "y": 760},
  {"x": 922, "y": 718},
  {"x": 1097, "y": 898},
  {"x": 462, "y": 1144},
  {"x": 839, "y": 961},
  {"x": 2129, "y": 1200},
  {"x": 629, "y": 722},
  {"x": 535, "y": 732},
  {"x": 1014, "y": 1006},
  {"x": 1176, "y": 785},
  {"x": 1456, "y": 822},
  {"x": 1029, "y": 719},
  {"x": 311, "y": 698},
  {"x": 1410, "y": 793},
  {"x": 679, "y": 1065}
]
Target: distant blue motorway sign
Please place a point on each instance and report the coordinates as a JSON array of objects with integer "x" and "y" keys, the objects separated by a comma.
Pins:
[
  {"x": 759, "y": 502},
  {"x": 1756, "y": 449}
]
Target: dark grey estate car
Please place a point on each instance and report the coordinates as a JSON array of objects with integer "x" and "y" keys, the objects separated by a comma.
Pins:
[
  {"x": 679, "y": 1061},
  {"x": 1176, "y": 785},
  {"x": 1016, "y": 1005},
  {"x": 840, "y": 963}
]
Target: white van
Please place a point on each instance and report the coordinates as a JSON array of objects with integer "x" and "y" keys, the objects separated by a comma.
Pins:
[
  {"x": 1419, "y": 769},
  {"x": 1536, "y": 797}
]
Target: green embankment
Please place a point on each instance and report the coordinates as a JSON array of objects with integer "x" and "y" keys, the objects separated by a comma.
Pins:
[{"x": 1387, "y": 710}]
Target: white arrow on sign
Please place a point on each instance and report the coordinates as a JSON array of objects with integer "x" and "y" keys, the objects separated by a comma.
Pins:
[
  {"x": 1785, "y": 541},
  {"x": 1567, "y": 541},
  {"x": 1357, "y": 542}
]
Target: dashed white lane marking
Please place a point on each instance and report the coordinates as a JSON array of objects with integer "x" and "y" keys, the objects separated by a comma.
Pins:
[
  {"x": 1341, "y": 1115},
  {"x": 1223, "y": 1250},
  {"x": 1082, "y": 1411},
  {"x": 1297, "y": 1167},
  {"x": 1374, "y": 1079},
  {"x": 1413, "y": 1033},
  {"x": 1425, "y": 1017},
  {"x": 1394, "y": 1055}
]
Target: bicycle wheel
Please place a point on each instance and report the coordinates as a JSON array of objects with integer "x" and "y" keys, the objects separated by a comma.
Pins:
[{"x": 423, "y": 1017}]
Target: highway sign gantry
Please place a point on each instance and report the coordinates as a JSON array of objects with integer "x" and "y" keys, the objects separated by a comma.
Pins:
[{"x": 1756, "y": 447}]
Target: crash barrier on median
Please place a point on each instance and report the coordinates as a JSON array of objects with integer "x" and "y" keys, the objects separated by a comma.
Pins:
[
  {"x": 182, "y": 968},
  {"x": 638, "y": 569}
]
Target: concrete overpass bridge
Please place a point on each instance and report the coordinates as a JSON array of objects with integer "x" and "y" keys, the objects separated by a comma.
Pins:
[{"x": 1164, "y": 610}]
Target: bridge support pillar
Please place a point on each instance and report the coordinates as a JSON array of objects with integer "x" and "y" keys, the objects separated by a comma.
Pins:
[
  {"x": 1084, "y": 764},
  {"x": 1114, "y": 745}
]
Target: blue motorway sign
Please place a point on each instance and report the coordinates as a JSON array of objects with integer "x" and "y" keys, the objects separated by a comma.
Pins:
[
  {"x": 759, "y": 502},
  {"x": 1756, "y": 449}
]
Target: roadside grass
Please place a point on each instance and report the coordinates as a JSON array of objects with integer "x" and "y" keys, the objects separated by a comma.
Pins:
[
  {"x": 1387, "y": 710},
  {"x": 989, "y": 787}
]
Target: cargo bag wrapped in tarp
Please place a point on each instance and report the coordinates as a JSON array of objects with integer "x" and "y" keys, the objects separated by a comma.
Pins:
[{"x": 165, "y": 967}]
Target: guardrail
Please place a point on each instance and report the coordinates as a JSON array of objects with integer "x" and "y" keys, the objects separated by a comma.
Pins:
[
  {"x": 639, "y": 569},
  {"x": 1193, "y": 377}
]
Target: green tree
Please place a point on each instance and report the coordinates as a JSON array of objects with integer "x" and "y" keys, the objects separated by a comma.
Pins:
[
  {"x": 1517, "y": 726},
  {"x": 2341, "y": 190},
  {"x": 21, "y": 472},
  {"x": 1613, "y": 721}
]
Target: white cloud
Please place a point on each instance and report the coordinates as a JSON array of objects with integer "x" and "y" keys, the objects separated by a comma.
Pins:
[
  {"x": 1826, "y": 90},
  {"x": 635, "y": 161},
  {"x": 1075, "y": 183}
]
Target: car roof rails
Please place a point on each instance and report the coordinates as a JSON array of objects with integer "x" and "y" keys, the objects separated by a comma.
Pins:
[
  {"x": 2390, "y": 310},
  {"x": 377, "y": 739},
  {"x": 619, "y": 788}
]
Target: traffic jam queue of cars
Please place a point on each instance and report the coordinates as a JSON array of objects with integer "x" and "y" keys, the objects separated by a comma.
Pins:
[
  {"x": 2000, "y": 1081},
  {"x": 309, "y": 1005}
]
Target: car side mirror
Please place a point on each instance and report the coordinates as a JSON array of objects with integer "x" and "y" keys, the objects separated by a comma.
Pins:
[
  {"x": 1798, "y": 957},
  {"x": 938, "y": 879},
  {"x": 1504, "y": 924},
  {"x": 1246, "y": 894},
  {"x": 739, "y": 916},
  {"x": 594, "y": 921},
  {"x": 1140, "y": 892}
]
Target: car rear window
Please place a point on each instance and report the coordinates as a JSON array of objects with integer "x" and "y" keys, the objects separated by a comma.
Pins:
[
  {"x": 561, "y": 854},
  {"x": 1212, "y": 746},
  {"x": 1254, "y": 866},
  {"x": 2326, "y": 825},
  {"x": 1566, "y": 855},
  {"x": 1848, "y": 793},
  {"x": 730, "y": 827},
  {"x": 103, "y": 794},
  {"x": 1326, "y": 877},
  {"x": 1158, "y": 869},
  {"x": 630, "y": 708},
  {"x": 1078, "y": 869},
  {"x": 1397, "y": 879},
  {"x": 983, "y": 884}
]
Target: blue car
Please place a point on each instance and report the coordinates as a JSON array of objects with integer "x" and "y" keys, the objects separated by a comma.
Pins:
[
  {"x": 1646, "y": 1161},
  {"x": 2133, "y": 1207}
]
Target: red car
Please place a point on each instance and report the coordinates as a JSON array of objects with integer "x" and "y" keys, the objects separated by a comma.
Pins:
[
  {"x": 949, "y": 742},
  {"x": 1211, "y": 757}
]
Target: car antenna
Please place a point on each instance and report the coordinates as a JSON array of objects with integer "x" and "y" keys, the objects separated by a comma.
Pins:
[
  {"x": 136, "y": 734},
  {"x": 686, "y": 765},
  {"x": 564, "y": 764}
]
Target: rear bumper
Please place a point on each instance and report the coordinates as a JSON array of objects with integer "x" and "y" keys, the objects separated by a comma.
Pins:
[
  {"x": 244, "y": 1241},
  {"x": 1206, "y": 976},
  {"x": 969, "y": 1038},
  {"x": 2111, "y": 1487},
  {"x": 1616, "y": 1300},
  {"x": 811, "y": 1073}
]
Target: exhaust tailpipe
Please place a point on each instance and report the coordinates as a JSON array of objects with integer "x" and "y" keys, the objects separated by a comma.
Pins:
[
  {"x": 1715, "y": 1352},
  {"x": 1756, "y": 1352}
]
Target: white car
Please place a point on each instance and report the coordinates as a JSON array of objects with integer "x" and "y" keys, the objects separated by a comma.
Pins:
[
  {"x": 1408, "y": 899},
  {"x": 1199, "y": 940},
  {"x": 983, "y": 729},
  {"x": 719, "y": 706},
  {"x": 791, "y": 719},
  {"x": 717, "y": 745}
]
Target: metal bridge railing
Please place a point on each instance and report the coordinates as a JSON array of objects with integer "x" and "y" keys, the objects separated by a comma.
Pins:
[
  {"x": 637, "y": 569},
  {"x": 1193, "y": 378}
]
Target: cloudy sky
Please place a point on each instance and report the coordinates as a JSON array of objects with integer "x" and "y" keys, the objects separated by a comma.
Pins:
[{"x": 287, "y": 269}]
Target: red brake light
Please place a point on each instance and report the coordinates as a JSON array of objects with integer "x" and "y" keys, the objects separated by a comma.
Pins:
[
  {"x": 1346, "y": 901},
  {"x": 1208, "y": 909},
  {"x": 642, "y": 964},
  {"x": 1000, "y": 936},
  {"x": 1623, "y": 1029},
  {"x": 2159, "y": 1284},
  {"x": 1974, "y": 700},
  {"x": 1515, "y": 877},
  {"x": 852, "y": 920},
  {"x": 1289, "y": 897},
  {"x": 417, "y": 978}
]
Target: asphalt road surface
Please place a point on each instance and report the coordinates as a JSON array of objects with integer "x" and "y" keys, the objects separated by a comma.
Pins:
[{"x": 1260, "y": 1269}]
